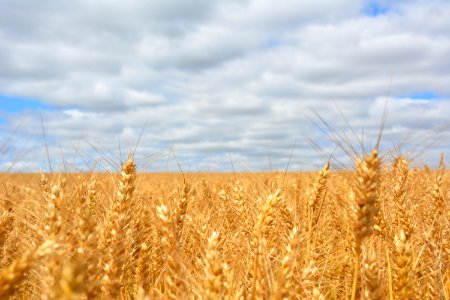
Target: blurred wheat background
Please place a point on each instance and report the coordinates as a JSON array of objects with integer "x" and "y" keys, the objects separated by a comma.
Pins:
[{"x": 379, "y": 232}]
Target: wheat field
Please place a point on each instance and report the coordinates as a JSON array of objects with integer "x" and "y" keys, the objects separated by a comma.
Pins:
[{"x": 380, "y": 231}]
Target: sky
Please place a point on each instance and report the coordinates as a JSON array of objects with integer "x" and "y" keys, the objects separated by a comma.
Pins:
[{"x": 253, "y": 85}]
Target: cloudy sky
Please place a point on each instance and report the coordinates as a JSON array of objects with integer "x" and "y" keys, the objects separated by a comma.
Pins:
[{"x": 211, "y": 81}]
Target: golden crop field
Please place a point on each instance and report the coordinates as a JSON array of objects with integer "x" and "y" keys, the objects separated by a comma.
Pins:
[{"x": 379, "y": 232}]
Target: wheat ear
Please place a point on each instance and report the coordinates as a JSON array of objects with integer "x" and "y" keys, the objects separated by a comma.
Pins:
[
  {"x": 404, "y": 269},
  {"x": 372, "y": 282},
  {"x": 214, "y": 269},
  {"x": 264, "y": 221},
  {"x": 285, "y": 281},
  {"x": 367, "y": 183},
  {"x": 117, "y": 229}
]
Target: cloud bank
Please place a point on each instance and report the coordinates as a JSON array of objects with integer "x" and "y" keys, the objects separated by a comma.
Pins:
[{"x": 210, "y": 80}]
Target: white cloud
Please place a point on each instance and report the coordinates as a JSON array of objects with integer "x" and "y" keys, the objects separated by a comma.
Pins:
[
  {"x": 134, "y": 98},
  {"x": 212, "y": 77}
]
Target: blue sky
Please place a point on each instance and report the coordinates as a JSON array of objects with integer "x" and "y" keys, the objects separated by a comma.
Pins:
[
  {"x": 11, "y": 104},
  {"x": 374, "y": 9},
  {"x": 206, "y": 78},
  {"x": 17, "y": 104},
  {"x": 427, "y": 95}
]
